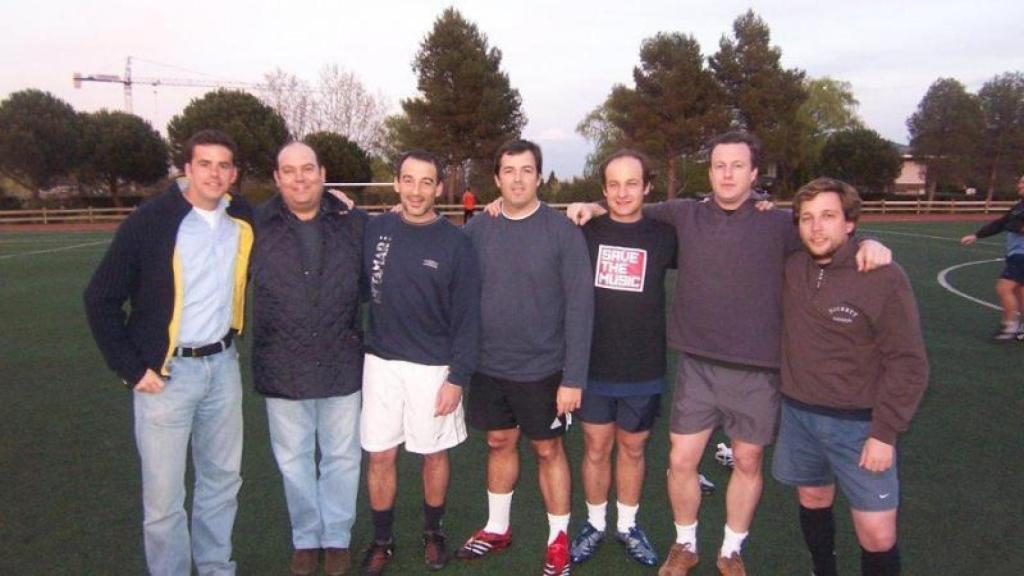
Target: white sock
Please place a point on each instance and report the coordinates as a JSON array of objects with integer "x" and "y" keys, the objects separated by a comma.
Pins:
[
  {"x": 499, "y": 506},
  {"x": 732, "y": 542},
  {"x": 627, "y": 516},
  {"x": 596, "y": 515},
  {"x": 687, "y": 535},
  {"x": 1012, "y": 326},
  {"x": 557, "y": 524}
]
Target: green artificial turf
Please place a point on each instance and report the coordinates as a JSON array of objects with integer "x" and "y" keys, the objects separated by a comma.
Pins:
[{"x": 69, "y": 482}]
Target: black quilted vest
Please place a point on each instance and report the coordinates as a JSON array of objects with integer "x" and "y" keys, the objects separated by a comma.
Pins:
[{"x": 305, "y": 348}]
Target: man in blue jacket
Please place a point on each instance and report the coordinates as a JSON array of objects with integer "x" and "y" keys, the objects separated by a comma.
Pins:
[
  {"x": 180, "y": 263},
  {"x": 307, "y": 354}
]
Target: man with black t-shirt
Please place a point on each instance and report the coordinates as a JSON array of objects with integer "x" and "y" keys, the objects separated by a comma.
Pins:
[{"x": 629, "y": 255}]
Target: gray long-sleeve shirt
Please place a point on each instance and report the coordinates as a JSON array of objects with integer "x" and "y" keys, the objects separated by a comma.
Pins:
[{"x": 537, "y": 298}]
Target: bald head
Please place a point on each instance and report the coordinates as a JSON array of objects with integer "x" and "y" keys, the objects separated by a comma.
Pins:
[
  {"x": 300, "y": 179},
  {"x": 297, "y": 148}
]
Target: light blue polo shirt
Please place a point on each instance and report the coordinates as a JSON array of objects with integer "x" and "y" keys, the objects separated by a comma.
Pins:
[{"x": 207, "y": 243}]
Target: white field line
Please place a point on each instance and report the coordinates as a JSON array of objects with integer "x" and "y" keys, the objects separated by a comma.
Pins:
[
  {"x": 52, "y": 250},
  {"x": 913, "y": 235},
  {"x": 941, "y": 279},
  {"x": 942, "y": 276}
]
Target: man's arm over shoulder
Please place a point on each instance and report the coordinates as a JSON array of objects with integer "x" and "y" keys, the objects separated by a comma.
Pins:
[
  {"x": 668, "y": 211},
  {"x": 905, "y": 363},
  {"x": 465, "y": 317},
  {"x": 578, "y": 291},
  {"x": 109, "y": 289}
]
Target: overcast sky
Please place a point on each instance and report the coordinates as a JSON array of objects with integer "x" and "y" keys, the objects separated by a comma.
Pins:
[{"x": 564, "y": 57}]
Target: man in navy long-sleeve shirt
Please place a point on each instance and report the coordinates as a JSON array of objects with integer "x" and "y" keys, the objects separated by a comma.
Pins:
[
  {"x": 422, "y": 349},
  {"x": 537, "y": 306}
]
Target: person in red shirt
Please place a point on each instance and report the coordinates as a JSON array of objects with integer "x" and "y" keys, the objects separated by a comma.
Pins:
[{"x": 468, "y": 204}]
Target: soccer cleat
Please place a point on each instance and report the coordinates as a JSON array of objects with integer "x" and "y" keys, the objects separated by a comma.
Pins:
[
  {"x": 483, "y": 543},
  {"x": 639, "y": 546},
  {"x": 585, "y": 544},
  {"x": 731, "y": 566},
  {"x": 707, "y": 488},
  {"x": 377, "y": 557},
  {"x": 680, "y": 559},
  {"x": 556, "y": 561},
  {"x": 724, "y": 456},
  {"x": 435, "y": 549}
]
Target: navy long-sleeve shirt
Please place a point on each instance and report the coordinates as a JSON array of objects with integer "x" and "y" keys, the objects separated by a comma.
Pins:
[
  {"x": 537, "y": 301},
  {"x": 424, "y": 286}
]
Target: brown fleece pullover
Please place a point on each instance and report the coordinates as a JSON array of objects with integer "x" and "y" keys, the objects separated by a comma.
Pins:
[{"x": 852, "y": 340}]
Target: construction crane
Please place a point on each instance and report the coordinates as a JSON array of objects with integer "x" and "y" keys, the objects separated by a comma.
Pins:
[{"x": 128, "y": 80}]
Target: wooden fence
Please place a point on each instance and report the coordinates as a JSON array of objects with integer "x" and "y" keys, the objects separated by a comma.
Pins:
[{"x": 107, "y": 215}]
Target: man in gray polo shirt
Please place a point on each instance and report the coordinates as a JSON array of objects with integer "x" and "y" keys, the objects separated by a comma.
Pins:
[{"x": 725, "y": 324}]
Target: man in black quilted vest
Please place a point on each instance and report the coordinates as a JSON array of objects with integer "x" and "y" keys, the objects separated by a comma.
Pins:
[{"x": 307, "y": 354}]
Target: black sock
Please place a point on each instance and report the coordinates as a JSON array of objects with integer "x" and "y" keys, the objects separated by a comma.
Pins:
[
  {"x": 819, "y": 528},
  {"x": 383, "y": 522},
  {"x": 432, "y": 517},
  {"x": 880, "y": 563}
]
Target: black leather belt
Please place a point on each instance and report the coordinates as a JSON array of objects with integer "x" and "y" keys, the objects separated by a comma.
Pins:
[{"x": 207, "y": 350}]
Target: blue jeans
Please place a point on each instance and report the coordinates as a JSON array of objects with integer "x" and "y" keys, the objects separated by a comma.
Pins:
[
  {"x": 202, "y": 400},
  {"x": 322, "y": 510}
]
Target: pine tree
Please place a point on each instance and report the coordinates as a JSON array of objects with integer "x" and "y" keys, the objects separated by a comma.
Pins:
[{"x": 467, "y": 107}]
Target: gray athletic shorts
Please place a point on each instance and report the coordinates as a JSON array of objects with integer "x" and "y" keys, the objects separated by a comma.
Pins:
[
  {"x": 743, "y": 400},
  {"x": 819, "y": 449}
]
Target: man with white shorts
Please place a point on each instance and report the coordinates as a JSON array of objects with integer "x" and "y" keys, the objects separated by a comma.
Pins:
[{"x": 422, "y": 349}]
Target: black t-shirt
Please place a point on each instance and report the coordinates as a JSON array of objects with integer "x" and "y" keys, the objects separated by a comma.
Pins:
[{"x": 629, "y": 262}]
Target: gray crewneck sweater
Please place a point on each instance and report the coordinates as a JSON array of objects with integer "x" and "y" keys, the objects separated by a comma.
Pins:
[{"x": 537, "y": 298}]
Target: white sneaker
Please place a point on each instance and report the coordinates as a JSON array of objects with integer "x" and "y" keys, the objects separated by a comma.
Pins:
[{"x": 724, "y": 455}]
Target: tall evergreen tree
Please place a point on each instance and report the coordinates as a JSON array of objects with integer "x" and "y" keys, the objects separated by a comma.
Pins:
[
  {"x": 1002, "y": 146},
  {"x": 467, "y": 107},
  {"x": 946, "y": 131},
  {"x": 675, "y": 106},
  {"x": 764, "y": 96}
]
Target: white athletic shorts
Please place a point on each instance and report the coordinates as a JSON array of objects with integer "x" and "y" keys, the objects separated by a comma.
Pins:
[{"x": 398, "y": 406}]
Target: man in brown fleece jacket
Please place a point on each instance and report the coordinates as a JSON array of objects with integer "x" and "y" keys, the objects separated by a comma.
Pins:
[{"x": 853, "y": 372}]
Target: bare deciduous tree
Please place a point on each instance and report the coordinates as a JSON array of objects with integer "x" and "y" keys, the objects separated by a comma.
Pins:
[{"x": 339, "y": 103}]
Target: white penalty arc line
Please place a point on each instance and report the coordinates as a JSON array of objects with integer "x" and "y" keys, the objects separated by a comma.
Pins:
[
  {"x": 941, "y": 278},
  {"x": 51, "y": 250}
]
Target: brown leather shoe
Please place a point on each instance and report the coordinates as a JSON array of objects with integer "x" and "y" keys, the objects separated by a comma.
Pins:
[
  {"x": 731, "y": 566},
  {"x": 337, "y": 562},
  {"x": 679, "y": 561},
  {"x": 304, "y": 561}
]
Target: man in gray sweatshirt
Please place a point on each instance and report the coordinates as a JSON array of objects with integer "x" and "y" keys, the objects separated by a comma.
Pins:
[
  {"x": 725, "y": 324},
  {"x": 537, "y": 307}
]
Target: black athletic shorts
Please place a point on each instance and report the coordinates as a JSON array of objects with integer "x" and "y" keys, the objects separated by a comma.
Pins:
[
  {"x": 629, "y": 413},
  {"x": 499, "y": 404},
  {"x": 1014, "y": 269}
]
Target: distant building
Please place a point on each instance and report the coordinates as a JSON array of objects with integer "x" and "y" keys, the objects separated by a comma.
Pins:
[{"x": 912, "y": 178}]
